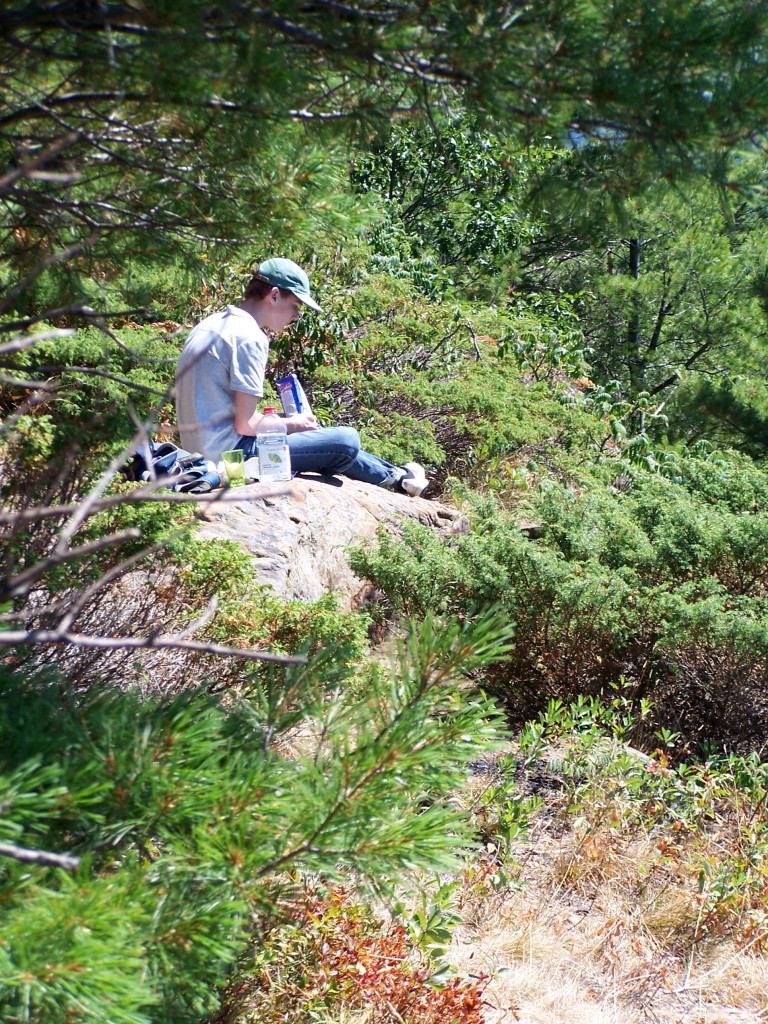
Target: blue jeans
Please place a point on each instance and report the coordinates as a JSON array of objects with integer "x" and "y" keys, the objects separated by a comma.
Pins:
[{"x": 330, "y": 450}]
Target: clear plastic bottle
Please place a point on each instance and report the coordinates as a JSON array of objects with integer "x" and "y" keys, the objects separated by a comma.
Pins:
[{"x": 272, "y": 445}]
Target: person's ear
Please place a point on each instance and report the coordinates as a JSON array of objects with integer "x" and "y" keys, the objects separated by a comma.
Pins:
[{"x": 274, "y": 294}]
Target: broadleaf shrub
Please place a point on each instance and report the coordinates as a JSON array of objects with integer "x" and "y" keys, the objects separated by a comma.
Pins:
[{"x": 336, "y": 957}]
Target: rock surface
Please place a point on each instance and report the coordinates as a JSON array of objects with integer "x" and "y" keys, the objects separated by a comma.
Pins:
[{"x": 298, "y": 539}]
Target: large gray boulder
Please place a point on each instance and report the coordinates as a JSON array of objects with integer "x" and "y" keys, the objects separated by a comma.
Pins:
[{"x": 298, "y": 540}]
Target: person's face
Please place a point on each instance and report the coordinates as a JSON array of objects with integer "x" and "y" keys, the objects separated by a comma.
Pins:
[{"x": 283, "y": 310}]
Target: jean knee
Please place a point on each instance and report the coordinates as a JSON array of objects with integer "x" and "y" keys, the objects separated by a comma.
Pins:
[{"x": 349, "y": 438}]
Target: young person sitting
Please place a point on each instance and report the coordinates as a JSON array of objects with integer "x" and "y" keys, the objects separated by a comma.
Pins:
[{"x": 220, "y": 380}]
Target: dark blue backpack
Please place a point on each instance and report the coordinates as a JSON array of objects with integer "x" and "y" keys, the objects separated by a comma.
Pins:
[{"x": 184, "y": 471}]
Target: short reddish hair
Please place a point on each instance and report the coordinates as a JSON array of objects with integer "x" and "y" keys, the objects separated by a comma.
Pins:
[{"x": 258, "y": 288}]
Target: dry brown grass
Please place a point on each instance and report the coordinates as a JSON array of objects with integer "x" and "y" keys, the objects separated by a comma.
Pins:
[
  {"x": 598, "y": 914},
  {"x": 602, "y": 925}
]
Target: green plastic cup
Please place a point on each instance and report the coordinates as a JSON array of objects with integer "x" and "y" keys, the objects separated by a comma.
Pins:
[{"x": 233, "y": 464}]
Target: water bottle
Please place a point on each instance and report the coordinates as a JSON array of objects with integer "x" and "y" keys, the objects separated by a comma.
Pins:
[{"x": 272, "y": 445}]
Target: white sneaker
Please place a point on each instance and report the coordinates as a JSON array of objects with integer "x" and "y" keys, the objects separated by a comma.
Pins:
[{"x": 414, "y": 482}]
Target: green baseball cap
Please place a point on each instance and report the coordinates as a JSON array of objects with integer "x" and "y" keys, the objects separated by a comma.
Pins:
[{"x": 287, "y": 274}]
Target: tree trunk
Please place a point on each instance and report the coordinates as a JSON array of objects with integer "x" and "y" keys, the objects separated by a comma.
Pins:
[{"x": 636, "y": 357}]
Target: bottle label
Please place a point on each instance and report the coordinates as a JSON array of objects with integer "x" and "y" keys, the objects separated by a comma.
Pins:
[{"x": 274, "y": 462}]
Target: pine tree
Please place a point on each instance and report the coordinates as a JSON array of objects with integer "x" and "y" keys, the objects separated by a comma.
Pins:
[
  {"x": 143, "y": 842},
  {"x": 192, "y": 122}
]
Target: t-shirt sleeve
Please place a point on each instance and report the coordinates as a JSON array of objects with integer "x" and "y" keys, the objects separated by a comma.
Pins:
[{"x": 249, "y": 363}]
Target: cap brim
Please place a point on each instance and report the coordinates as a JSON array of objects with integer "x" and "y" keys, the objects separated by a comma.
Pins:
[{"x": 308, "y": 301}]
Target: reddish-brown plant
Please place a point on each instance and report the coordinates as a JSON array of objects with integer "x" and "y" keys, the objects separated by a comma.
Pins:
[{"x": 338, "y": 955}]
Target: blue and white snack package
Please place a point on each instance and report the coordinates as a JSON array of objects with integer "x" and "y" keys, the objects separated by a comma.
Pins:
[{"x": 292, "y": 395}]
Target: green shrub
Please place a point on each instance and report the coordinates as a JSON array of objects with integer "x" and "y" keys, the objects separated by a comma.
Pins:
[
  {"x": 98, "y": 386},
  {"x": 418, "y": 388},
  {"x": 656, "y": 584},
  {"x": 191, "y": 817},
  {"x": 249, "y": 614}
]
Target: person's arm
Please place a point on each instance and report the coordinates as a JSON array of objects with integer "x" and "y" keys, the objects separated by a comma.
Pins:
[
  {"x": 247, "y": 413},
  {"x": 248, "y": 416},
  {"x": 300, "y": 421}
]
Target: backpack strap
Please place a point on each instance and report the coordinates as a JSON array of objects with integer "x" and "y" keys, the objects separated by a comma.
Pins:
[
  {"x": 168, "y": 460},
  {"x": 197, "y": 480}
]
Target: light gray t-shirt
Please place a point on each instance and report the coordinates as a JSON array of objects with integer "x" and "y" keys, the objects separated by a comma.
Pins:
[{"x": 224, "y": 353}]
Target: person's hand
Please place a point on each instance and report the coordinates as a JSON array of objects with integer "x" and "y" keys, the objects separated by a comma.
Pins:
[{"x": 299, "y": 421}]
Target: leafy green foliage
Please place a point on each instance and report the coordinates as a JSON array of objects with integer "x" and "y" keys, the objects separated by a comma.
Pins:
[
  {"x": 546, "y": 336},
  {"x": 449, "y": 191}
]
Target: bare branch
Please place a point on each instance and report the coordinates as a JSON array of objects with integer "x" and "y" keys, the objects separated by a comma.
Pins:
[
  {"x": 48, "y": 103},
  {"x": 73, "y": 608},
  {"x": 32, "y": 166},
  {"x": 52, "y": 860},
  {"x": 92, "y": 371},
  {"x": 250, "y": 492},
  {"x": 84, "y": 508},
  {"x": 71, "y": 310},
  {"x": 21, "y": 583},
  {"x": 10, "y": 638},
  {"x": 43, "y": 265},
  {"x": 19, "y": 344},
  {"x": 60, "y": 177},
  {"x": 65, "y": 604},
  {"x": 200, "y": 621},
  {"x": 97, "y": 320},
  {"x": 421, "y": 68},
  {"x": 25, "y": 385}
]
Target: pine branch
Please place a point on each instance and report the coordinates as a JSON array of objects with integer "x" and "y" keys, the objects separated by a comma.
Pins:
[
  {"x": 89, "y": 371},
  {"x": 69, "y": 310},
  {"x": 32, "y": 166},
  {"x": 43, "y": 265}
]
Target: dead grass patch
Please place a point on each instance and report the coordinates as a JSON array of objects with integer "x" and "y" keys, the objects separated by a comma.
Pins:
[{"x": 603, "y": 923}]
